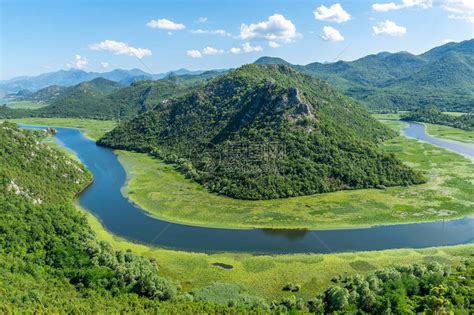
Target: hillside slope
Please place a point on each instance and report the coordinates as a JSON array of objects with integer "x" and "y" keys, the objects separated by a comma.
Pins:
[
  {"x": 263, "y": 132},
  {"x": 442, "y": 76}
]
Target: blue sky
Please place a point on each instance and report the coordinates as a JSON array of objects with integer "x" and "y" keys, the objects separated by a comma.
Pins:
[{"x": 158, "y": 36}]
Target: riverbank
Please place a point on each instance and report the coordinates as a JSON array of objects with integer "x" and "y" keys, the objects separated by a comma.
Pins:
[
  {"x": 166, "y": 194},
  {"x": 93, "y": 129},
  {"x": 265, "y": 275},
  {"x": 438, "y": 131}
]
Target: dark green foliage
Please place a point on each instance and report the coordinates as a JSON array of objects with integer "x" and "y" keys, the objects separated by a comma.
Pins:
[
  {"x": 42, "y": 234},
  {"x": 263, "y": 132},
  {"x": 432, "y": 115},
  {"x": 290, "y": 286},
  {"x": 407, "y": 289}
]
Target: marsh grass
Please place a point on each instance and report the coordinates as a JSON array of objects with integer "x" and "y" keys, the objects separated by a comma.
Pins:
[
  {"x": 165, "y": 193},
  {"x": 266, "y": 275}
]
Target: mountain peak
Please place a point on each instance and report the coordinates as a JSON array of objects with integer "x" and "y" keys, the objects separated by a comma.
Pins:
[{"x": 266, "y": 60}]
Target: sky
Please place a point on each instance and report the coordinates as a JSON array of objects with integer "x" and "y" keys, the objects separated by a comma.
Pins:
[{"x": 159, "y": 36}]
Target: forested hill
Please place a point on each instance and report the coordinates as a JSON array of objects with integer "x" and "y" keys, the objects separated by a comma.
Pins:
[
  {"x": 49, "y": 258},
  {"x": 105, "y": 99},
  {"x": 433, "y": 115},
  {"x": 262, "y": 132},
  {"x": 442, "y": 76}
]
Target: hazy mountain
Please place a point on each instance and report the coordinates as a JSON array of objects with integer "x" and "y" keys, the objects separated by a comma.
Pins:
[{"x": 74, "y": 76}]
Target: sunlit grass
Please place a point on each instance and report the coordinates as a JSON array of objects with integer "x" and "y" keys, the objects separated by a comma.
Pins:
[
  {"x": 26, "y": 105},
  {"x": 266, "y": 275},
  {"x": 167, "y": 194},
  {"x": 93, "y": 129}
]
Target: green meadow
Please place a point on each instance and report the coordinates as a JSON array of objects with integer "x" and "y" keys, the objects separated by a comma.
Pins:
[
  {"x": 166, "y": 194},
  {"x": 93, "y": 129},
  {"x": 450, "y": 133},
  {"x": 26, "y": 105},
  {"x": 265, "y": 275}
]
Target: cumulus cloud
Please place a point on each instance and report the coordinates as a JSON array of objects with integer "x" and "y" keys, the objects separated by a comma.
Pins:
[
  {"x": 334, "y": 13},
  {"x": 194, "y": 53},
  {"x": 460, "y": 9},
  {"x": 78, "y": 63},
  {"x": 165, "y": 24},
  {"x": 211, "y": 51},
  {"x": 384, "y": 7},
  {"x": 276, "y": 29},
  {"x": 331, "y": 34},
  {"x": 245, "y": 48},
  {"x": 390, "y": 28},
  {"x": 121, "y": 48},
  {"x": 273, "y": 44},
  {"x": 207, "y": 51},
  {"x": 202, "y": 19},
  {"x": 104, "y": 64},
  {"x": 211, "y": 32}
]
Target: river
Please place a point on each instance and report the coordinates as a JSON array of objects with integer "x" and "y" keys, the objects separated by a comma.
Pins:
[{"x": 125, "y": 219}]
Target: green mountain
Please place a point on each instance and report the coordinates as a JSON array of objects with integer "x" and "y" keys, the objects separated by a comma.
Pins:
[
  {"x": 443, "y": 76},
  {"x": 262, "y": 132},
  {"x": 48, "y": 94},
  {"x": 105, "y": 99}
]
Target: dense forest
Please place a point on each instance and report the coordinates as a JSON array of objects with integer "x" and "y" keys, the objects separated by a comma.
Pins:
[
  {"x": 263, "y": 132},
  {"x": 442, "y": 76},
  {"x": 433, "y": 115},
  {"x": 51, "y": 262}
]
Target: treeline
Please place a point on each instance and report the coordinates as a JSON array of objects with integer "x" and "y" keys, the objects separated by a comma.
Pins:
[{"x": 433, "y": 115}]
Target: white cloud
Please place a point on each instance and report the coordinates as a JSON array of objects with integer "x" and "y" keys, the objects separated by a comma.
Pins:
[
  {"x": 211, "y": 32},
  {"x": 334, "y": 13},
  {"x": 202, "y": 19},
  {"x": 245, "y": 48},
  {"x": 276, "y": 28},
  {"x": 104, "y": 64},
  {"x": 273, "y": 44},
  {"x": 447, "y": 40},
  {"x": 235, "y": 50},
  {"x": 78, "y": 63},
  {"x": 194, "y": 53},
  {"x": 390, "y": 28},
  {"x": 331, "y": 34},
  {"x": 165, "y": 24},
  {"x": 207, "y": 51},
  {"x": 384, "y": 7},
  {"x": 211, "y": 51},
  {"x": 460, "y": 9},
  {"x": 121, "y": 48}
]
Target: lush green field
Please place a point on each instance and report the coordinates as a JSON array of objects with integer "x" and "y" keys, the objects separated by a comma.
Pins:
[
  {"x": 26, "y": 105},
  {"x": 439, "y": 131},
  {"x": 93, "y": 129},
  {"x": 165, "y": 193},
  {"x": 265, "y": 275},
  {"x": 450, "y": 133}
]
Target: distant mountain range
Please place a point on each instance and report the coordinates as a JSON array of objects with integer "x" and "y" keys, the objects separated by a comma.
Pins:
[
  {"x": 442, "y": 76},
  {"x": 106, "y": 99},
  {"x": 65, "y": 78}
]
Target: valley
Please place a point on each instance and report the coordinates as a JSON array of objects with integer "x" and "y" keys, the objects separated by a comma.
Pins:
[{"x": 210, "y": 157}]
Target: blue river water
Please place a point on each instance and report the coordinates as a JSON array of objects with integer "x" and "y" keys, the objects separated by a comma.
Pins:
[{"x": 125, "y": 219}]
